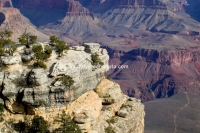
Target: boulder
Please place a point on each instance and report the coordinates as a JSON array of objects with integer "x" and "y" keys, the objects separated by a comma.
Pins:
[
  {"x": 9, "y": 60},
  {"x": 58, "y": 69},
  {"x": 28, "y": 96},
  {"x": 27, "y": 58},
  {"x": 82, "y": 118},
  {"x": 110, "y": 92},
  {"x": 9, "y": 88},
  {"x": 37, "y": 77}
]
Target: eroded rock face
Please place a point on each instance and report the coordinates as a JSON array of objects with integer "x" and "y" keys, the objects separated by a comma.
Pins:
[
  {"x": 9, "y": 60},
  {"x": 11, "y": 17},
  {"x": 39, "y": 87},
  {"x": 155, "y": 74},
  {"x": 124, "y": 115}
]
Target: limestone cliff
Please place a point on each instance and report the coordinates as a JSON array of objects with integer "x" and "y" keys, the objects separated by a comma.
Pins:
[
  {"x": 43, "y": 87},
  {"x": 98, "y": 110},
  {"x": 93, "y": 102}
]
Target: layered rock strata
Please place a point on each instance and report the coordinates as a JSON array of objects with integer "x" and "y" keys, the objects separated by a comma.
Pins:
[
  {"x": 99, "y": 110},
  {"x": 155, "y": 73},
  {"x": 36, "y": 86}
]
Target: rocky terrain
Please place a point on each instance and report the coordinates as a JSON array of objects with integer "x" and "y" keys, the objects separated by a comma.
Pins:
[
  {"x": 94, "y": 103},
  {"x": 126, "y": 29},
  {"x": 11, "y": 19},
  {"x": 153, "y": 74}
]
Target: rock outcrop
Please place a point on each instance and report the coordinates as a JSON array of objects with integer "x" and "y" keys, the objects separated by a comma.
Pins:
[
  {"x": 99, "y": 110},
  {"x": 36, "y": 86},
  {"x": 96, "y": 104}
]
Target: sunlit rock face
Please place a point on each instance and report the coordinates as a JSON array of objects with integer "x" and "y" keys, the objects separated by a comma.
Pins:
[
  {"x": 36, "y": 86},
  {"x": 96, "y": 110}
]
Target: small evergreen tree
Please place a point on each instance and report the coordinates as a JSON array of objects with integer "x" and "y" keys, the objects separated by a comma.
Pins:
[
  {"x": 27, "y": 39},
  {"x": 67, "y": 81},
  {"x": 96, "y": 60},
  {"x": 12, "y": 48},
  {"x": 67, "y": 125},
  {"x": 53, "y": 40},
  {"x": 60, "y": 47},
  {"x": 20, "y": 127},
  {"x": 39, "y": 125},
  {"x": 6, "y": 44},
  {"x": 40, "y": 55}
]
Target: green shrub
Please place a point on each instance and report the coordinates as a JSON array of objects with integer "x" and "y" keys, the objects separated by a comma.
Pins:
[
  {"x": 6, "y": 44},
  {"x": 61, "y": 46},
  {"x": 112, "y": 120},
  {"x": 96, "y": 60},
  {"x": 67, "y": 81},
  {"x": 2, "y": 108},
  {"x": 67, "y": 125},
  {"x": 47, "y": 52},
  {"x": 40, "y": 53},
  {"x": 39, "y": 125},
  {"x": 109, "y": 129},
  {"x": 20, "y": 126},
  {"x": 53, "y": 40},
  {"x": 37, "y": 48},
  {"x": 27, "y": 39},
  {"x": 40, "y": 64},
  {"x": 12, "y": 48}
]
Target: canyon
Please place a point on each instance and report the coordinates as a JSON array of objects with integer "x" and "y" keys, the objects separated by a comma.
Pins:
[
  {"x": 157, "y": 39},
  {"x": 95, "y": 103}
]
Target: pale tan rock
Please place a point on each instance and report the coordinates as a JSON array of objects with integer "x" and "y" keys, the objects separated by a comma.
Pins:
[{"x": 88, "y": 102}]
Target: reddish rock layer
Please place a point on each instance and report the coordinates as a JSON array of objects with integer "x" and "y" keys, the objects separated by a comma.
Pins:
[
  {"x": 155, "y": 74},
  {"x": 72, "y": 8},
  {"x": 11, "y": 19}
]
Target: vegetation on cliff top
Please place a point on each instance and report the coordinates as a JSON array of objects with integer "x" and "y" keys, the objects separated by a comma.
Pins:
[
  {"x": 6, "y": 44},
  {"x": 60, "y": 45},
  {"x": 40, "y": 125},
  {"x": 27, "y": 39}
]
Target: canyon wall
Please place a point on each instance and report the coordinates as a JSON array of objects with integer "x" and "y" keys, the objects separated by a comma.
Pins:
[
  {"x": 96, "y": 104},
  {"x": 155, "y": 74}
]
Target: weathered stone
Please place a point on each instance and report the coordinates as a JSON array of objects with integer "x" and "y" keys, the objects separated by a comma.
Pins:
[
  {"x": 9, "y": 88},
  {"x": 28, "y": 96},
  {"x": 27, "y": 58},
  {"x": 1, "y": 78},
  {"x": 91, "y": 47},
  {"x": 78, "y": 48},
  {"x": 123, "y": 112},
  {"x": 37, "y": 77},
  {"x": 9, "y": 60},
  {"x": 82, "y": 118},
  {"x": 58, "y": 69},
  {"x": 110, "y": 93}
]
